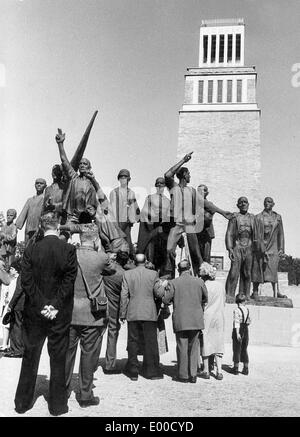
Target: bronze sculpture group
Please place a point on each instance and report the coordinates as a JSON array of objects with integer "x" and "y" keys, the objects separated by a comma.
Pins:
[{"x": 254, "y": 243}]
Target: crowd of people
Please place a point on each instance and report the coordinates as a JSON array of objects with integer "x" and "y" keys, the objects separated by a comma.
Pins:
[{"x": 72, "y": 294}]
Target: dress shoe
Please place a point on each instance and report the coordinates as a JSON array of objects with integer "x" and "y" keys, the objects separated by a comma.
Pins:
[
  {"x": 111, "y": 371},
  {"x": 204, "y": 375},
  {"x": 21, "y": 410},
  {"x": 281, "y": 296},
  {"x": 219, "y": 376},
  {"x": 58, "y": 412},
  {"x": 89, "y": 402},
  {"x": 156, "y": 377},
  {"x": 132, "y": 376},
  {"x": 12, "y": 355},
  {"x": 193, "y": 379},
  {"x": 235, "y": 371},
  {"x": 245, "y": 371},
  {"x": 178, "y": 379}
]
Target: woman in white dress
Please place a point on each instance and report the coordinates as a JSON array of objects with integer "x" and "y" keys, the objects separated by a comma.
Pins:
[
  {"x": 214, "y": 321},
  {"x": 7, "y": 292}
]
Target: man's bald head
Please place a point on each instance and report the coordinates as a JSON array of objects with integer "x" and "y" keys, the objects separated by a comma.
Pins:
[{"x": 140, "y": 259}]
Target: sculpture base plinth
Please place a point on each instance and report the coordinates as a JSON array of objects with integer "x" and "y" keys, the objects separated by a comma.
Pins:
[{"x": 266, "y": 301}]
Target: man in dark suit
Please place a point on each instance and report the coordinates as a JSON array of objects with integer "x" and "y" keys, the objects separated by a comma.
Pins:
[
  {"x": 48, "y": 274},
  {"x": 113, "y": 286},
  {"x": 139, "y": 309},
  {"x": 188, "y": 295}
]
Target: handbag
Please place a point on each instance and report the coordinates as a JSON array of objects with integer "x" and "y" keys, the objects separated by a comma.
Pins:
[
  {"x": 8, "y": 318},
  {"x": 98, "y": 300}
]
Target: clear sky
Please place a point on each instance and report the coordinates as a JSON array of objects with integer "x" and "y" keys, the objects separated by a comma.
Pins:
[{"x": 62, "y": 59}]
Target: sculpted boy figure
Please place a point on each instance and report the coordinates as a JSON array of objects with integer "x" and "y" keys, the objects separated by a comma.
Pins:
[
  {"x": 8, "y": 237},
  {"x": 80, "y": 191},
  {"x": 32, "y": 210},
  {"x": 207, "y": 234},
  {"x": 239, "y": 243},
  {"x": 54, "y": 193},
  {"x": 268, "y": 247}
]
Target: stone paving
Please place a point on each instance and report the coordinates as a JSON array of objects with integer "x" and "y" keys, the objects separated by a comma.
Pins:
[{"x": 271, "y": 389}]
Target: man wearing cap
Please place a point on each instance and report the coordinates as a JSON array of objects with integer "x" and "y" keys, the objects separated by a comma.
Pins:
[
  {"x": 32, "y": 210},
  {"x": 155, "y": 226},
  {"x": 124, "y": 205},
  {"x": 80, "y": 191},
  {"x": 189, "y": 296}
]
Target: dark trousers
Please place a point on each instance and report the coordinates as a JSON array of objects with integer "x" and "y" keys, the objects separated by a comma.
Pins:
[
  {"x": 90, "y": 338},
  {"x": 156, "y": 251},
  {"x": 126, "y": 228},
  {"x": 187, "y": 350},
  {"x": 173, "y": 238},
  {"x": 205, "y": 245},
  {"x": 240, "y": 268},
  {"x": 113, "y": 329},
  {"x": 35, "y": 333},
  {"x": 151, "y": 355},
  {"x": 15, "y": 334},
  {"x": 240, "y": 352}
]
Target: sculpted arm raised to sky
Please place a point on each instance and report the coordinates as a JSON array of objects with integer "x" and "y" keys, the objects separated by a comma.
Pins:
[
  {"x": 60, "y": 138},
  {"x": 169, "y": 175}
]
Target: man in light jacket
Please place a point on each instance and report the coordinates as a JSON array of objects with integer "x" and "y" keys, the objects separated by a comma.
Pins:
[
  {"x": 188, "y": 294},
  {"x": 139, "y": 309}
]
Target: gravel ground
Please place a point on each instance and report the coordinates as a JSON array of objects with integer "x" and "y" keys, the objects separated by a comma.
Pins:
[{"x": 272, "y": 387}]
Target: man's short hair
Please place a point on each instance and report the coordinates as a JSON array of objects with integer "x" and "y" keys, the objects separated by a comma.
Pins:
[
  {"x": 184, "y": 265},
  {"x": 181, "y": 171},
  {"x": 40, "y": 181},
  {"x": 240, "y": 298},
  {"x": 122, "y": 257},
  {"x": 49, "y": 221}
]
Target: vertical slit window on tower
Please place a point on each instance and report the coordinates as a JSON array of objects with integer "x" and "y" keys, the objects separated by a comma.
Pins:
[
  {"x": 210, "y": 91},
  {"x": 221, "y": 49},
  {"x": 239, "y": 90},
  {"x": 229, "y": 91},
  {"x": 205, "y": 48},
  {"x": 213, "y": 48},
  {"x": 238, "y": 47},
  {"x": 200, "y": 91},
  {"x": 220, "y": 91},
  {"x": 229, "y": 49}
]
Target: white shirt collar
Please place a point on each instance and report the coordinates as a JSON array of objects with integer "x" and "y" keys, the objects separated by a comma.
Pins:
[{"x": 51, "y": 232}]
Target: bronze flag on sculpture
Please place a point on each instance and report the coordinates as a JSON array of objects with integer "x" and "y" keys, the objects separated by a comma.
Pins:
[{"x": 83, "y": 143}]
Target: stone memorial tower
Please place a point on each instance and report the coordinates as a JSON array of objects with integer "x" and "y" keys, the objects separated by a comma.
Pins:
[{"x": 220, "y": 122}]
